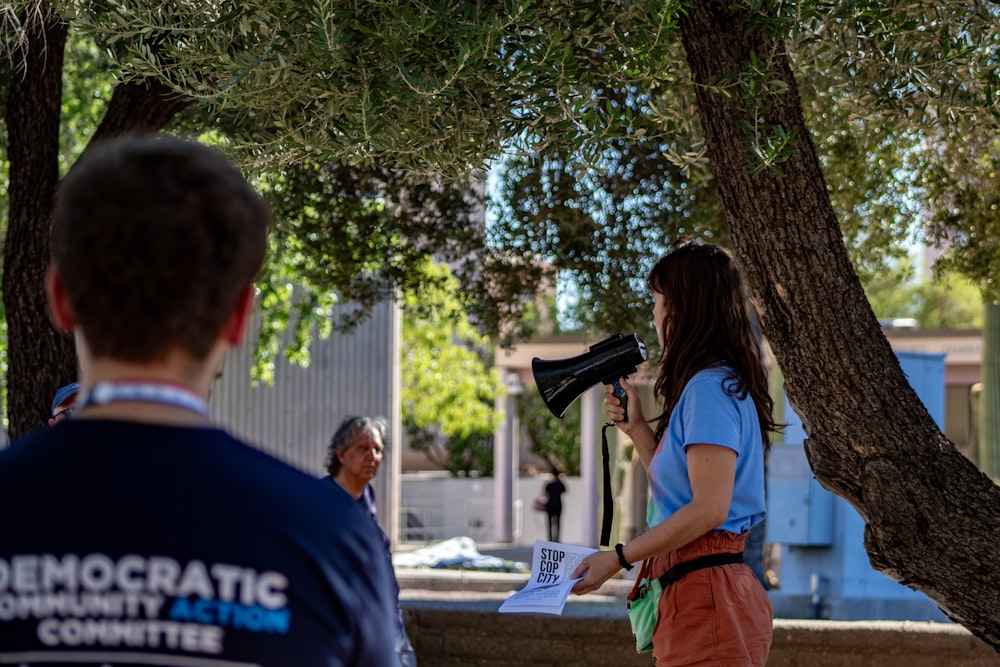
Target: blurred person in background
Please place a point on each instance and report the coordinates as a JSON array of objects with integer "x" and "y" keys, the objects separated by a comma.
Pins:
[{"x": 62, "y": 402}]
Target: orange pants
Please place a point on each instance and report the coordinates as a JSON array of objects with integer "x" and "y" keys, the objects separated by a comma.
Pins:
[{"x": 715, "y": 617}]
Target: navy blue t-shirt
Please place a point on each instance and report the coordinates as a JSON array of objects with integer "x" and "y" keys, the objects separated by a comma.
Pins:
[
  {"x": 368, "y": 505},
  {"x": 133, "y": 544}
]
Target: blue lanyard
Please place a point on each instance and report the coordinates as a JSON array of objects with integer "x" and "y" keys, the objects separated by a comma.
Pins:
[{"x": 103, "y": 393}]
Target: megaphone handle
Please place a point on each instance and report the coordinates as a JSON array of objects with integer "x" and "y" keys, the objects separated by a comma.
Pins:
[{"x": 619, "y": 392}]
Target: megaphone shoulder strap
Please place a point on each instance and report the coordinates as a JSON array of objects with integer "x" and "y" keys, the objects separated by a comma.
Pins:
[{"x": 607, "y": 514}]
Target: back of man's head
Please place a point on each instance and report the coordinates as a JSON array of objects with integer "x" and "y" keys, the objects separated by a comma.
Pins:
[{"x": 155, "y": 240}]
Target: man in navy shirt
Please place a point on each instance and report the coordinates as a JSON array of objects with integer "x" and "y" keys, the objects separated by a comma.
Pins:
[{"x": 136, "y": 532}]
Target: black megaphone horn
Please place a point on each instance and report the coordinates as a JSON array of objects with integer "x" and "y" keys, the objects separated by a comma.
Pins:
[{"x": 562, "y": 381}]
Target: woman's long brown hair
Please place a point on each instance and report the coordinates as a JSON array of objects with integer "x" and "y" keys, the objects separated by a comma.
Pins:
[{"x": 707, "y": 324}]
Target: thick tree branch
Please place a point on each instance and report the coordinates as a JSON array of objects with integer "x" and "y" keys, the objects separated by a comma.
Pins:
[
  {"x": 930, "y": 515},
  {"x": 139, "y": 107}
]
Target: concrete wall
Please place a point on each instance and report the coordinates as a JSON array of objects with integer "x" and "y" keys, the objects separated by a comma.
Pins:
[{"x": 475, "y": 635}]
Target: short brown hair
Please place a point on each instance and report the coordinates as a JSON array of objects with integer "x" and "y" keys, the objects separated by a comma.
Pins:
[{"x": 155, "y": 239}]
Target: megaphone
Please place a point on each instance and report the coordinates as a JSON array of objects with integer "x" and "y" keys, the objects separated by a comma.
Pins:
[{"x": 562, "y": 381}]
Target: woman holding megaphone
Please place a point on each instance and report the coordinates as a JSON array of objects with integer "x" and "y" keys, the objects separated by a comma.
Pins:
[{"x": 695, "y": 602}]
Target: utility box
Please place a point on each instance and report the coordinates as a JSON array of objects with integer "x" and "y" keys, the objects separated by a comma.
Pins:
[
  {"x": 824, "y": 570},
  {"x": 806, "y": 514}
]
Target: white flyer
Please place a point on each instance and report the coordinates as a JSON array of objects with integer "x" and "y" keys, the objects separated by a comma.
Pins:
[{"x": 552, "y": 563}]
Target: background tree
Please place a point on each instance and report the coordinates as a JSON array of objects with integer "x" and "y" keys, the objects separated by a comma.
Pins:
[
  {"x": 959, "y": 172},
  {"x": 449, "y": 385},
  {"x": 32, "y": 119},
  {"x": 555, "y": 440},
  {"x": 944, "y": 301}
]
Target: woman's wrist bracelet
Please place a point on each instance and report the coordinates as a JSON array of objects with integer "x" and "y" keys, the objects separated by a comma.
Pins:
[{"x": 621, "y": 557}]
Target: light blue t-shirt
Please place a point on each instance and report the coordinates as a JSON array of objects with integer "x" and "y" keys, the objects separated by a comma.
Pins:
[{"x": 706, "y": 413}]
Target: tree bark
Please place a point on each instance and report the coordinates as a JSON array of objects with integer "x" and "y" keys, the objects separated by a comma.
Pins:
[
  {"x": 40, "y": 359},
  {"x": 931, "y": 516}
]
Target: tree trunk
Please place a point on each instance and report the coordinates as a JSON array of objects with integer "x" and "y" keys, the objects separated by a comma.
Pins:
[
  {"x": 39, "y": 358},
  {"x": 930, "y": 515}
]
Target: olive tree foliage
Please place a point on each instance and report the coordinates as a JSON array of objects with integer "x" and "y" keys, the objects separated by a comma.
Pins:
[
  {"x": 442, "y": 87},
  {"x": 439, "y": 88},
  {"x": 435, "y": 88},
  {"x": 343, "y": 231},
  {"x": 929, "y": 110},
  {"x": 392, "y": 79}
]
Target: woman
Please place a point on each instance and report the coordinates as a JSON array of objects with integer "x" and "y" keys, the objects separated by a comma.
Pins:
[{"x": 705, "y": 462}]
